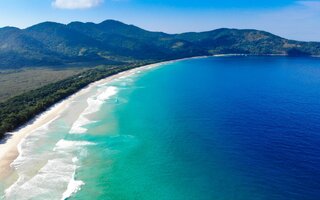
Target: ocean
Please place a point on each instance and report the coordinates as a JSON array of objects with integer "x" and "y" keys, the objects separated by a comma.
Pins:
[{"x": 218, "y": 128}]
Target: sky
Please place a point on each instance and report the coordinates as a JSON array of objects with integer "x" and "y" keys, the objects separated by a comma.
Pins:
[{"x": 292, "y": 19}]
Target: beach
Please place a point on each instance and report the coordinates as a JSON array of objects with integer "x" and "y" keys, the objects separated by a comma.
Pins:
[
  {"x": 9, "y": 149},
  {"x": 157, "y": 133}
]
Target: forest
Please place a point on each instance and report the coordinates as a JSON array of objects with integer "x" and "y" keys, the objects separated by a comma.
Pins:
[{"x": 20, "y": 109}]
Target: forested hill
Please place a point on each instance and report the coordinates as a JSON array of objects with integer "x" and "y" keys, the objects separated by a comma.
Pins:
[{"x": 54, "y": 44}]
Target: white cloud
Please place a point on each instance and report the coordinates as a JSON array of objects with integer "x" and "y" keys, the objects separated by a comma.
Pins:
[{"x": 76, "y": 4}]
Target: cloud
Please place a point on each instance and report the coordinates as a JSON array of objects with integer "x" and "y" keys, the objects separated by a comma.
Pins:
[{"x": 76, "y": 4}]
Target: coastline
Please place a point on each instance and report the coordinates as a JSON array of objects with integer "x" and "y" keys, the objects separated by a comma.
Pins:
[
  {"x": 9, "y": 146},
  {"x": 9, "y": 149}
]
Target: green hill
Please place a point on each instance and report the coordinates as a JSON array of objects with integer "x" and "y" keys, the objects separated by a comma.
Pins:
[{"x": 113, "y": 42}]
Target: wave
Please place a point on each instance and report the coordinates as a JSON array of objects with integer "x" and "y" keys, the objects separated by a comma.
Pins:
[
  {"x": 73, "y": 186},
  {"x": 68, "y": 144},
  {"x": 110, "y": 91},
  {"x": 94, "y": 104},
  {"x": 55, "y": 178},
  {"x": 49, "y": 181},
  {"x": 52, "y": 173},
  {"x": 24, "y": 162}
]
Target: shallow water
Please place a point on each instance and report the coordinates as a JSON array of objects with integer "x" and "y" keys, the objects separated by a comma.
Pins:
[{"x": 215, "y": 128}]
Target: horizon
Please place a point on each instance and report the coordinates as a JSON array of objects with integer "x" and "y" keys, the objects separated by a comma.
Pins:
[{"x": 291, "y": 19}]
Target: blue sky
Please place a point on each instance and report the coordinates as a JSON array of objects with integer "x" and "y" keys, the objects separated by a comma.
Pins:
[{"x": 293, "y": 19}]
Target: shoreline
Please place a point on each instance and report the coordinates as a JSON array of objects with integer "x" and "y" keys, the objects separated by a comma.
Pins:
[
  {"x": 9, "y": 145},
  {"x": 9, "y": 148}
]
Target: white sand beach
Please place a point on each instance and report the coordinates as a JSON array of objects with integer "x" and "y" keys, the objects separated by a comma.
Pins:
[{"x": 9, "y": 149}]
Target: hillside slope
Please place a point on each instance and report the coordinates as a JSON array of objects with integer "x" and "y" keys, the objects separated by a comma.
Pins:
[{"x": 112, "y": 42}]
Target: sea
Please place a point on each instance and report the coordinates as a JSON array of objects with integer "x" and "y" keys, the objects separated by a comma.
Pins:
[{"x": 217, "y": 128}]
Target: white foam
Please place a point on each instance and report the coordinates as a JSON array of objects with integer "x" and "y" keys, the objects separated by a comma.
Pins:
[
  {"x": 77, "y": 126},
  {"x": 74, "y": 185},
  {"x": 57, "y": 169},
  {"x": 40, "y": 130},
  {"x": 55, "y": 178},
  {"x": 94, "y": 104},
  {"x": 48, "y": 183},
  {"x": 67, "y": 144},
  {"x": 26, "y": 158},
  {"x": 110, "y": 91}
]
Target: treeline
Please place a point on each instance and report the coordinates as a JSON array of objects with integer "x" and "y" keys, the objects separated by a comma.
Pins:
[{"x": 20, "y": 109}]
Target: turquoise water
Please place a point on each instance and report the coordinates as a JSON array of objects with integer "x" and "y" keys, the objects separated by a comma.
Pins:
[{"x": 235, "y": 128}]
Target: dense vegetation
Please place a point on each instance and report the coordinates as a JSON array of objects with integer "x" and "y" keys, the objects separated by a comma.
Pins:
[
  {"x": 112, "y": 42},
  {"x": 20, "y": 109},
  {"x": 118, "y": 47}
]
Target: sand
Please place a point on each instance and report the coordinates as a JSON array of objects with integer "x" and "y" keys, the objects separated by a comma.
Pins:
[{"x": 9, "y": 148}]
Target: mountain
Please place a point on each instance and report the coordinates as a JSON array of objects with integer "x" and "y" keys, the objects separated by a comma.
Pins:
[{"x": 111, "y": 42}]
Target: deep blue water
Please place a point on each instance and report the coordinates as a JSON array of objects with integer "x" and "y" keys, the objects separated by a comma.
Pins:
[{"x": 217, "y": 128}]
